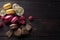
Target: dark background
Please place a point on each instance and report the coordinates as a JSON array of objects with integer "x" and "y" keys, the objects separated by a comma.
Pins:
[{"x": 46, "y": 14}]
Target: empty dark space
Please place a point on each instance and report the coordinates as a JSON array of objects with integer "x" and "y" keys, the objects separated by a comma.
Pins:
[{"x": 46, "y": 14}]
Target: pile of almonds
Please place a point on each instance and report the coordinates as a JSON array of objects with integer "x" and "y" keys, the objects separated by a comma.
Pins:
[{"x": 12, "y": 14}]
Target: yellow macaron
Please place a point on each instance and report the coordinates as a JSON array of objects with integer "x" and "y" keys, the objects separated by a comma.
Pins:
[
  {"x": 10, "y": 11},
  {"x": 7, "y": 6}
]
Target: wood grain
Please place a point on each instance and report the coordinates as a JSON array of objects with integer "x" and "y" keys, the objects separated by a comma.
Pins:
[{"x": 46, "y": 14}]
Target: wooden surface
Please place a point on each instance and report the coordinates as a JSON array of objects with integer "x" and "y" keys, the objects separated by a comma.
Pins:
[{"x": 46, "y": 15}]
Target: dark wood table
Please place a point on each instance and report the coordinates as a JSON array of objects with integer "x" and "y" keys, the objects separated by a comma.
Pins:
[{"x": 46, "y": 15}]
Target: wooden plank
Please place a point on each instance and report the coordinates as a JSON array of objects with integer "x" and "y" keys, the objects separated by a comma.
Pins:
[
  {"x": 46, "y": 19},
  {"x": 41, "y": 26}
]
